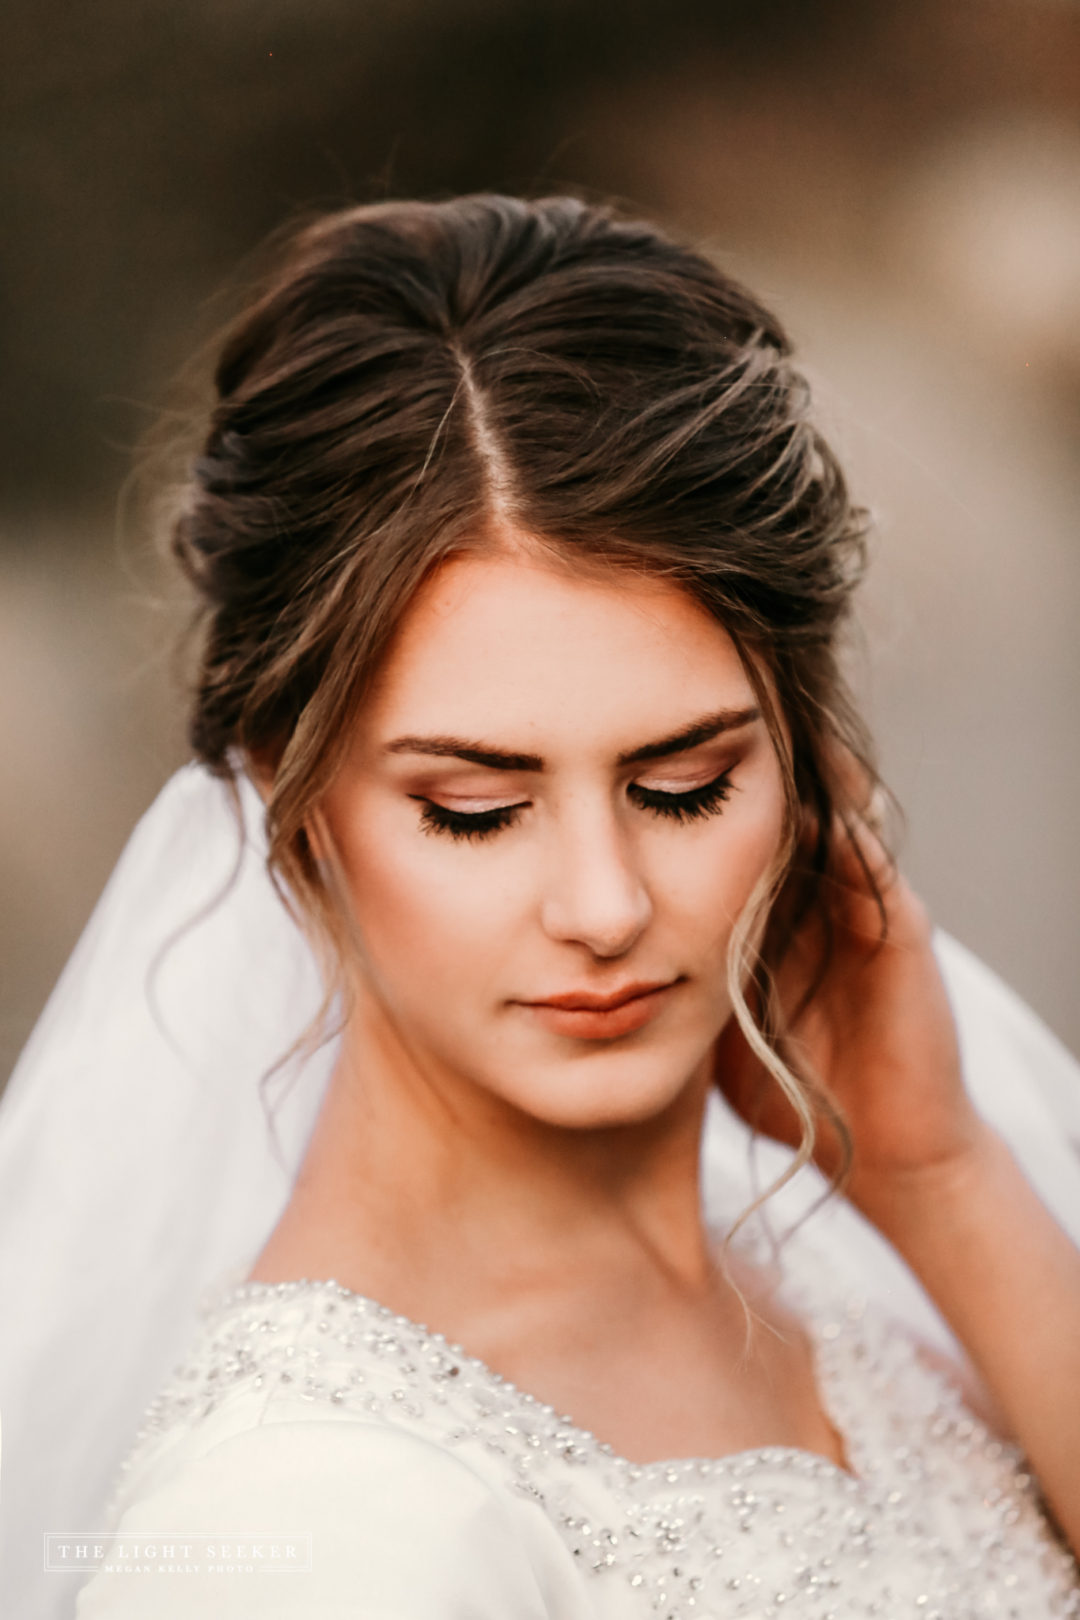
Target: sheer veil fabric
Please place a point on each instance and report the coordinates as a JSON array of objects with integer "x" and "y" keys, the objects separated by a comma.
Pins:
[{"x": 138, "y": 1167}]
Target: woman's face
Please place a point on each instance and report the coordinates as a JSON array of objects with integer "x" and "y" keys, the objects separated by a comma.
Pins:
[{"x": 555, "y": 803}]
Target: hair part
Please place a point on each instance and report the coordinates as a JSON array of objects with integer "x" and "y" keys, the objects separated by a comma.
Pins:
[{"x": 414, "y": 378}]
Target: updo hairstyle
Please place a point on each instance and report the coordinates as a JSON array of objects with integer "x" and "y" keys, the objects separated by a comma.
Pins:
[{"x": 415, "y": 377}]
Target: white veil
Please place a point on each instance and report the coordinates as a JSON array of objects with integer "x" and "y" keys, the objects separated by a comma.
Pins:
[{"x": 137, "y": 1168}]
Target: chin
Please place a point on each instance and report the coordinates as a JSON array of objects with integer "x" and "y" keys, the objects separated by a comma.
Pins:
[{"x": 603, "y": 1090}]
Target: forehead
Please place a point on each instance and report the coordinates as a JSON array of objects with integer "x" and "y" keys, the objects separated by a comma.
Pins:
[{"x": 516, "y": 649}]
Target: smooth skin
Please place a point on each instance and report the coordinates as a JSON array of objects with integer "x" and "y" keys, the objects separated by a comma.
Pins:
[{"x": 560, "y": 790}]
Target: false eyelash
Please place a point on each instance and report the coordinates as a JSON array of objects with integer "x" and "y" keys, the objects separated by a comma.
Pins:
[
  {"x": 691, "y": 806},
  {"x": 436, "y": 818}
]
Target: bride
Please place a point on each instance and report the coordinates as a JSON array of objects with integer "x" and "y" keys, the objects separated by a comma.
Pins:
[{"x": 523, "y": 571}]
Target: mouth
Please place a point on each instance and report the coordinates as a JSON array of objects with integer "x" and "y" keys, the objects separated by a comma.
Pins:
[{"x": 588, "y": 1016}]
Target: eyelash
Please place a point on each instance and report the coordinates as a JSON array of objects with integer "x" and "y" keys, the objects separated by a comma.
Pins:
[{"x": 690, "y": 806}]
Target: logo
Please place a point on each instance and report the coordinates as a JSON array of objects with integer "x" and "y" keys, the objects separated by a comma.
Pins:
[{"x": 85, "y": 1552}]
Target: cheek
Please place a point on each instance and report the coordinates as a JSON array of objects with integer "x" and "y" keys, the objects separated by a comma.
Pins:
[
  {"x": 429, "y": 919},
  {"x": 716, "y": 875}
]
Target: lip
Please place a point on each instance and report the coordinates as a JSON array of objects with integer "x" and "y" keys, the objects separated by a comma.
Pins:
[
  {"x": 587, "y": 1016},
  {"x": 583, "y": 1001}
]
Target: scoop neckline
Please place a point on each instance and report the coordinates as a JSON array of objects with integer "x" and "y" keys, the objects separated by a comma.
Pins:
[{"x": 805, "y": 1460}]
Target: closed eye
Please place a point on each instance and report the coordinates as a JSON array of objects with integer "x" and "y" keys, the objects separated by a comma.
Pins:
[
  {"x": 691, "y": 805},
  {"x": 436, "y": 818},
  {"x": 688, "y": 806}
]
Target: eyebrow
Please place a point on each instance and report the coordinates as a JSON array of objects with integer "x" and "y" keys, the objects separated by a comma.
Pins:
[
  {"x": 693, "y": 735},
  {"x": 502, "y": 759}
]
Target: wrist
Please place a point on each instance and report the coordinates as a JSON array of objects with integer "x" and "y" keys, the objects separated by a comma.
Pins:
[{"x": 905, "y": 1201}]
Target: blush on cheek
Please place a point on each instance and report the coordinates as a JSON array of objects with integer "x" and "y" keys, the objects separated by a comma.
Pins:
[
  {"x": 740, "y": 864},
  {"x": 426, "y": 933}
]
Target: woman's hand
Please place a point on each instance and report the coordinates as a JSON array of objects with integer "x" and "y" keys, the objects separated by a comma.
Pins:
[
  {"x": 933, "y": 1177},
  {"x": 878, "y": 1034}
]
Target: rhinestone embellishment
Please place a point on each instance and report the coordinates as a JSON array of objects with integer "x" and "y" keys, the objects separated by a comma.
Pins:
[{"x": 938, "y": 1520}]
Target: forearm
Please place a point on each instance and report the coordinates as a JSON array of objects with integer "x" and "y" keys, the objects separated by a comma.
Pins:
[{"x": 1007, "y": 1279}]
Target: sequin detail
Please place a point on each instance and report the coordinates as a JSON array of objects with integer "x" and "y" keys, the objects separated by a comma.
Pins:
[{"x": 937, "y": 1521}]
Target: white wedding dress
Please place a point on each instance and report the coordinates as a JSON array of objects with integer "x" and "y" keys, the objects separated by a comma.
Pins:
[
  {"x": 136, "y": 1172},
  {"x": 409, "y": 1482}
]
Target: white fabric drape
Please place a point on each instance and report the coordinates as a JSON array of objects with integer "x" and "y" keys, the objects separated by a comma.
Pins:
[{"x": 136, "y": 1162}]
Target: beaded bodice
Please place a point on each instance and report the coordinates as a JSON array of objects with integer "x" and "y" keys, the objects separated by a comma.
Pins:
[{"x": 937, "y": 1519}]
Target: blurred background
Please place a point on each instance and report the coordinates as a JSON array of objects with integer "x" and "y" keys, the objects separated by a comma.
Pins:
[{"x": 901, "y": 180}]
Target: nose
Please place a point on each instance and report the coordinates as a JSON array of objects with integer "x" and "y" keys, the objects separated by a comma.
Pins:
[{"x": 595, "y": 895}]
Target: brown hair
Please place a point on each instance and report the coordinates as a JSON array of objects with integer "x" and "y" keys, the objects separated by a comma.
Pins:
[{"x": 412, "y": 371}]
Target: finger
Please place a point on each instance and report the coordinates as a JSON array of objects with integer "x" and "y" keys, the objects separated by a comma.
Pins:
[
  {"x": 861, "y": 882},
  {"x": 858, "y": 856},
  {"x": 859, "y": 786},
  {"x": 874, "y": 815},
  {"x": 858, "y": 847}
]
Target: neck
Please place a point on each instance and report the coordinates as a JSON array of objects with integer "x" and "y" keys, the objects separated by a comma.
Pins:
[{"x": 418, "y": 1187}]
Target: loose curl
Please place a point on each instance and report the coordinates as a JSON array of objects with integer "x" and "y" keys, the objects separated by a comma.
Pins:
[{"x": 414, "y": 377}]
